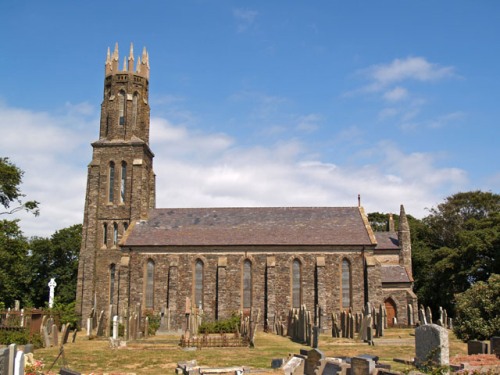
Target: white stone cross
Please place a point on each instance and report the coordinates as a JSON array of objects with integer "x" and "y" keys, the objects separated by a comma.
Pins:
[{"x": 52, "y": 286}]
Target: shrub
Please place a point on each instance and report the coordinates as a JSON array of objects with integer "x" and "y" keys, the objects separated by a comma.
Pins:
[
  {"x": 20, "y": 337},
  {"x": 477, "y": 310},
  {"x": 154, "y": 323},
  {"x": 221, "y": 326}
]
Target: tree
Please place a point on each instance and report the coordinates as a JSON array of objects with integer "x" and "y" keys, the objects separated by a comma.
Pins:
[
  {"x": 14, "y": 275},
  {"x": 458, "y": 245},
  {"x": 56, "y": 257},
  {"x": 478, "y": 311},
  {"x": 10, "y": 193}
]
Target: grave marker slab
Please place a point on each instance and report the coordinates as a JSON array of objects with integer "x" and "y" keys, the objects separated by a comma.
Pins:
[
  {"x": 362, "y": 366},
  {"x": 495, "y": 345},
  {"x": 19, "y": 363},
  {"x": 4, "y": 360},
  {"x": 431, "y": 344},
  {"x": 476, "y": 347}
]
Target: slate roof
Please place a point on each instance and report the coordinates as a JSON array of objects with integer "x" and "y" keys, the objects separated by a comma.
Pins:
[
  {"x": 394, "y": 274},
  {"x": 251, "y": 226},
  {"x": 387, "y": 241}
]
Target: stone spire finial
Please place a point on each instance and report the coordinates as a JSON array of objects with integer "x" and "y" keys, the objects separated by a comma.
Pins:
[
  {"x": 114, "y": 60},
  {"x": 391, "y": 223},
  {"x": 115, "y": 52},
  {"x": 124, "y": 64},
  {"x": 108, "y": 56},
  {"x": 403, "y": 220},
  {"x": 131, "y": 58}
]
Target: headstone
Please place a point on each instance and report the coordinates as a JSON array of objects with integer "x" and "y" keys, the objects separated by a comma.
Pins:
[
  {"x": 65, "y": 334},
  {"x": 74, "y": 336},
  {"x": 46, "y": 337},
  {"x": 4, "y": 360},
  {"x": 294, "y": 366},
  {"x": 332, "y": 368},
  {"x": 495, "y": 345},
  {"x": 362, "y": 366},
  {"x": 421, "y": 315},
  {"x": 12, "y": 357},
  {"x": 277, "y": 362},
  {"x": 19, "y": 363},
  {"x": 315, "y": 337},
  {"x": 409, "y": 311},
  {"x": 314, "y": 361},
  {"x": 52, "y": 285},
  {"x": 89, "y": 326},
  {"x": 428, "y": 315},
  {"x": 431, "y": 345},
  {"x": 44, "y": 321},
  {"x": 17, "y": 305},
  {"x": 67, "y": 371},
  {"x": 445, "y": 318},
  {"x": 28, "y": 348},
  {"x": 100, "y": 324},
  {"x": 477, "y": 347},
  {"x": 55, "y": 335},
  {"x": 115, "y": 327}
]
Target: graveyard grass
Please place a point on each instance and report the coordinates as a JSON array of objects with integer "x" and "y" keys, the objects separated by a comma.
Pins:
[{"x": 160, "y": 354}]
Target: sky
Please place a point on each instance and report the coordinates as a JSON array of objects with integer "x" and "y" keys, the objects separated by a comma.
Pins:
[{"x": 260, "y": 103}]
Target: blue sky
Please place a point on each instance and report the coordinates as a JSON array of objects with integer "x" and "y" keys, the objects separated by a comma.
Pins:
[{"x": 260, "y": 103}]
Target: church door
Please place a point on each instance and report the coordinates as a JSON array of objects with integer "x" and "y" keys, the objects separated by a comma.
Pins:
[{"x": 390, "y": 307}]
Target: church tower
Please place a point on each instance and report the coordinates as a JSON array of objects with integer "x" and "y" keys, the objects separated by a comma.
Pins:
[{"x": 120, "y": 185}]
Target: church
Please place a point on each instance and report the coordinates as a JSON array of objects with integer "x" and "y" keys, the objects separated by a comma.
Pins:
[{"x": 219, "y": 261}]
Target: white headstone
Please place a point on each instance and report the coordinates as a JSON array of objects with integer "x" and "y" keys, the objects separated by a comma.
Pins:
[
  {"x": 115, "y": 327},
  {"x": 52, "y": 286},
  {"x": 19, "y": 363}
]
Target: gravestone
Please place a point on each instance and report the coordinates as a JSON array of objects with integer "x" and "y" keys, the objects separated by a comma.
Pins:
[
  {"x": 115, "y": 327},
  {"x": 55, "y": 335},
  {"x": 4, "y": 360},
  {"x": 428, "y": 315},
  {"x": 28, "y": 348},
  {"x": 294, "y": 366},
  {"x": 19, "y": 363},
  {"x": 46, "y": 337},
  {"x": 445, "y": 318},
  {"x": 431, "y": 345},
  {"x": 314, "y": 362},
  {"x": 421, "y": 315},
  {"x": 332, "y": 368},
  {"x": 495, "y": 345},
  {"x": 100, "y": 324},
  {"x": 65, "y": 334},
  {"x": 409, "y": 311},
  {"x": 362, "y": 366},
  {"x": 315, "y": 337},
  {"x": 74, "y": 336},
  {"x": 12, "y": 357},
  {"x": 476, "y": 347},
  {"x": 277, "y": 362},
  {"x": 66, "y": 371}
]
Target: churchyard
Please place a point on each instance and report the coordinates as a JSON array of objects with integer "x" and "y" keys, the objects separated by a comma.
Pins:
[{"x": 160, "y": 354}]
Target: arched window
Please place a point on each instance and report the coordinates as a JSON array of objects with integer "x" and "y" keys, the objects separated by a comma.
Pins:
[
  {"x": 135, "y": 99},
  {"x": 105, "y": 234},
  {"x": 122, "y": 106},
  {"x": 112, "y": 275},
  {"x": 247, "y": 284},
  {"x": 150, "y": 274},
  {"x": 111, "y": 192},
  {"x": 125, "y": 226},
  {"x": 123, "y": 182},
  {"x": 346, "y": 284},
  {"x": 115, "y": 234},
  {"x": 296, "y": 284},
  {"x": 198, "y": 283}
]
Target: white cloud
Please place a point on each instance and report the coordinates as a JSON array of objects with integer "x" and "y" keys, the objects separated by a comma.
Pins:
[
  {"x": 245, "y": 18},
  {"x": 199, "y": 169},
  {"x": 396, "y": 94},
  {"x": 411, "y": 68}
]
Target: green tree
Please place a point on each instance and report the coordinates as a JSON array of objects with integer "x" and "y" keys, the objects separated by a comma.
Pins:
[
  {"x": 10, "y": 193},
  {"x": 458, "y": 245},
  {"x": 14, "y": 275},
  {"x": 56, "y": 257},
  {"x": 478, "y": 310}
]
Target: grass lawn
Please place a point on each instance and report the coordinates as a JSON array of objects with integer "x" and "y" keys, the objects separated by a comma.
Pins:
[{"x": 160, "y": 354}]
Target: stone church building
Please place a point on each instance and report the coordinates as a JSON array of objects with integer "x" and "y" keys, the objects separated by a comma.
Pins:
[{"x": 219, "y": 260}]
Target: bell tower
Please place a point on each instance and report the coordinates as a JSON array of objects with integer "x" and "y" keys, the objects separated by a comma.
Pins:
[{"x": 120, "y": 184}]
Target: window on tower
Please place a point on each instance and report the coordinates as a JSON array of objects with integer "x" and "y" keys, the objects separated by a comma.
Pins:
[
  {"x": 346, "y": 284},
  {"x": 123, "y": 182},
  {"x": 115, "y": 234},
  {"x": 150, "y": 273},
  {"x": 135, "y": 100},
  {"x": 296, "y": 284},
  {"x": 247, "y": 284},
  {"x": 111, "y": 182},
  {"x": 122, "y": 106}
]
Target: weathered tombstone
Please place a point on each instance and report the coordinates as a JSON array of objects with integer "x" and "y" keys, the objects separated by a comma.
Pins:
[
  {"x": 19, "y": 363},
  {"x": 12, "y": 357},
  {"x": 362, "y": 366},
  {"x": 315, "y": 337},
  {"x": 445, "y": 318},
  {"x": 351, "y": 326},
  {"x": 146, "y": 327},
  {"x": 100, "y": 324},
  {"x": 4, "y": 361},
  {"x": 428, "y": 315},
  {"x": 65, "y": 335},
  {"x": 476, "y": 347},
  {"x": 332, "y": 368},
  {"x": 28, "y": 348},
  {"x": 89, "y": 326},
  {"x": 46, "y": 337},
  {"x": 409, "y": 311},
  {"x": 67, "y": 371},
  {"x": 431, "y": 345},
  {"x": 277, "y": 362},
  {"x": 17, "y": 305},
  {"x": 294, "y": 366},
  {"x": 421, "y": 315},
  {"x": 314, "y": 361},
  {"x": 495, "y": 345},
  {"x": 115, "y": 327},
  {"x": 44, "y": 321},
  {"x": 55, "y": 335},
  {"x": 74, "y": 336}
]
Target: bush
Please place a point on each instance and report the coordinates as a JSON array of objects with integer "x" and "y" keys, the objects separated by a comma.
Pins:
[
  {"x": 477, "y": 310},
  {"x": 66, "y": 313},
  {"x": 221, "y": 326},
  {"x": 154, "y": 323},
  {"x": 20, "y": 337}
]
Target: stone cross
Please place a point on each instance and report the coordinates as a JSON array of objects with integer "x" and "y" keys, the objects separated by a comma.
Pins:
[{"x": 52, "y": 285}]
